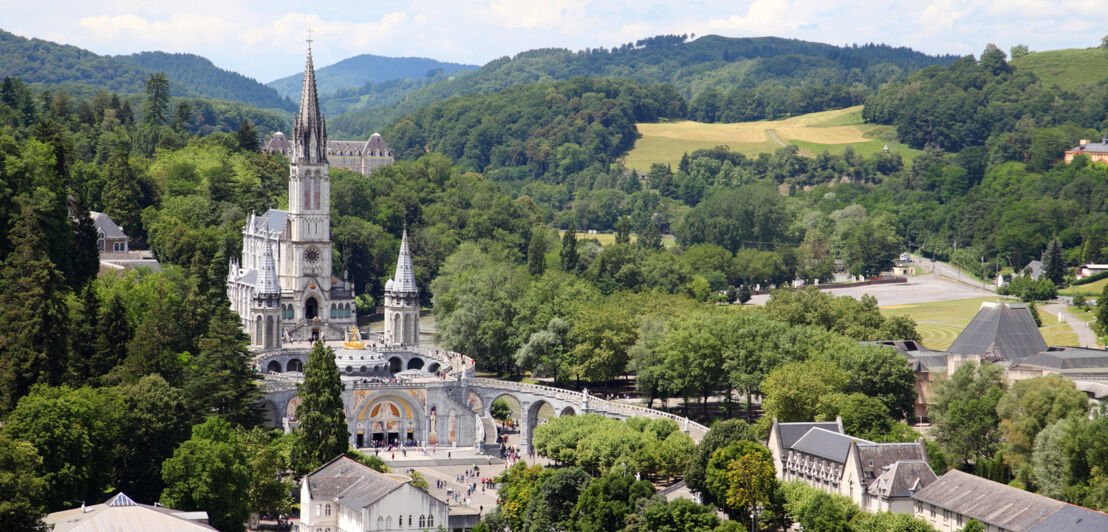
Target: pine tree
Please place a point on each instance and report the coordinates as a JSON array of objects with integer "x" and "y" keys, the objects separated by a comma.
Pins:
[
  {"x": 84, "y": 254},
  {"x": 569, "y": 250},
  {"x": 82, "y": 343},
  {"x": 536, "y": 252},
  {"x": 623, "y": 230},
  {"x": 247, "y": 136},
  {"x": 113, "y": 335},
  {"x": 1054, "y": 266},
  {"x": 221, "y": 381},
  {"x": 157, "y": 99},
  {"x": 121, "y": 192},
  {"x": 323, "y": 434},
  {"x": 33, "y": 346}
]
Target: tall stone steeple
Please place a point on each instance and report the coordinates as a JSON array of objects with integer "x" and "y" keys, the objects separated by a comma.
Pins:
[
  {"x": 265, "y": 332},
  {"x": 309, "y": 131},
  {"x": 402, "y": 300}
]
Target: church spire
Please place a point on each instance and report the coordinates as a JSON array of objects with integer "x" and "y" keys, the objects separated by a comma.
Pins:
[
  {"x": 267, "y": 277},
  {"x": 404, "y": 279},
  {"x": 309, "y": 131}
]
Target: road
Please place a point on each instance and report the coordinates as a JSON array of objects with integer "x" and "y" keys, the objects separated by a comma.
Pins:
[
  {"x": 1085, "y": 335},
  {"x": 946, "y": 270},
  {"x": 918, "y": 289}
]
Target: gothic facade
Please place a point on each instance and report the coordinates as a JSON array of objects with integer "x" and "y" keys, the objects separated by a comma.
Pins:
[
  {"x": 283, "y": 287},
  {"x": 359, "y": 156}
]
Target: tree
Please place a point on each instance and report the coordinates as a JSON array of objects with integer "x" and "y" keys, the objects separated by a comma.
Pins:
[
  {"x": 32, "y": 295},
  {"x": 157, "y": 99},
  {"x": 601, "y": 337},
  {"x": 792, "y": 391},
  {"x": 210, "y": 472},
  {"x": 85, "y": 317},
  {"x": 247, "y": 136},
  {"x": 268, "y": 461},
  {"x": 157, "y": 420},
  {"x": 606, "y": 500},
  {"x": 323, "y": 433},
  {"x": 21, "y": 486},
  {"x": 545, "y": 351},
  {"x": 113, "y": 335},
  {"x": 517, "y": 487},
  {"x": 1054, "y": 266},
  {"x": 84, "y": 255},
  {"x": 649, "y": 236},
  {"x": 551, "y": 505},
  {"x": 1051, "y": 458},
  {"x": 500, "y": 410},
  {"x": 722, "y": 434},
  {"x": 569, "y": 250},
  {"x": 221, "y": 381},
  {"x": 964, "y": 413},
  {"x": 862, "y": 415},
  {"x": 741, "y": 477},
  {"x": 536, "y": 252},
  {"x": 623, "y": 230},
  {"x": 1028, "y": 407},
  {"x": 1101, "y": 324},
  {"x": 680, "y": 515},
  {"x": 1018, "y": 51},
  {"x": 121, "y": 196}
]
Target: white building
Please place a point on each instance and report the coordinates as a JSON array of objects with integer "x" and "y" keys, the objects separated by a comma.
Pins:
[
  {"x": 344, "y": 495},
  {"x": 283, "y": 287},
  {"x": 121, "y": 514}
]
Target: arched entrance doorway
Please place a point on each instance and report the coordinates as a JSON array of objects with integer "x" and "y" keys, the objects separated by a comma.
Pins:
[
  {"x": 273, "y": 367},
  {"x": 311, "y": 308},
  {"x": 396, "y": 365},
  {"x": 387, "y": 421}
]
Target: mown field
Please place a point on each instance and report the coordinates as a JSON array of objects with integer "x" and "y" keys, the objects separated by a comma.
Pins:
[
  {"x": 1068, "y": 69},
  {"x": 1093, "y": 289},
  {"x": 813, "y": 133},
  {"x": 940, "y": 322}
]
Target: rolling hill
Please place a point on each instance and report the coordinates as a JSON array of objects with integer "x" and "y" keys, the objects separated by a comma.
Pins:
[
  {"x": 690, "y": 66},
  {"x": 366, "y": 68},
  {"x": 1068, "y": 69},
  {"x": 45, "y": 64},
  {"x": 197, "y": 76}
]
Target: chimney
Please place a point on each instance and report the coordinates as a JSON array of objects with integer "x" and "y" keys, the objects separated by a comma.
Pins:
[{"x": 1082, "y": 142}]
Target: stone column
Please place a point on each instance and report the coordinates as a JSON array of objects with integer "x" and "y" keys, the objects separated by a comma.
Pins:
[{"x": 524, "y": 427}]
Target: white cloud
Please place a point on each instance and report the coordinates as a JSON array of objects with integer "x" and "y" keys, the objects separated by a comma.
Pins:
[
  {"x": 530, "y": 14},
  {"x": 762, "y": 17},
  {"x": 178, "y": 30}
]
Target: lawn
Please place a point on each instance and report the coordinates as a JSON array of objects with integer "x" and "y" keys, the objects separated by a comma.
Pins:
[
  {"x": 607, "y": 239},
  {"x": 1068, "y": 69},
  {"x": 1093, "y": 289},
  {"x": 940, "y": 322},
  {"x": 814, "y": 133}
]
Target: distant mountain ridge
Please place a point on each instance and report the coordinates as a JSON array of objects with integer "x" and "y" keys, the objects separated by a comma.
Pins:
[
  {"x": 366, "y": 68},
  {"x": 691, "y": 66},
  {"x": 200, "y": 77},
  {"x": 38, "y": 61}
]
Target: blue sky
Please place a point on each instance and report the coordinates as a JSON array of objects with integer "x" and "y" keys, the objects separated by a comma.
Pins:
[{"x": 265, "y": 40}]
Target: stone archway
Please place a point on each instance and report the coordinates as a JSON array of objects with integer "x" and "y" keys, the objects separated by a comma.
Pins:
[
  {"x": 387, "y": 419},
  {"x": 295, "y": 365},
  {"x": 311, "y": 308},
  {"x": 273, "y": 366},
  {"x": 567, "y": 411},
  {"x": 538, "y": 413},
  {"x": 415, "y": 363},
  {"x": 396, "y": 365},
  {"x": 433, "y": 368},
  {"x": 269, "y": 414}
]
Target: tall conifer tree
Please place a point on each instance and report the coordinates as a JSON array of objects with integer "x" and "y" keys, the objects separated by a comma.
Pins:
[
  {"x": 323, "y": 434},
  {"x": 569, "y": 250},
  {"x": 33, "y": 346},
  {"x": 82, "y": 343},
  {"x": 121, "y": 193},
  {"x": 113, "y": 335},
  {"x": 221, "y": 381}
]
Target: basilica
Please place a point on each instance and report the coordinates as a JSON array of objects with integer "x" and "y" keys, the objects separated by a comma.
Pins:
[{"x": 283, "y": 287}]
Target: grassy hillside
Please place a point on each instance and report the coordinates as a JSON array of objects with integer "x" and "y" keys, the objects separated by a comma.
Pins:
[
  {"x": 813, "y": 133},
  {"x": 366, "y": 68},
  {"x": 192, "y": 75},
  {"x": 1068, "y": 69},
  {"x": 709, "y": 62}
]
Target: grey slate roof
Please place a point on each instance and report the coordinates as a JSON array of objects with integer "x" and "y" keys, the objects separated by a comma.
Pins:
[
  {"x": 344, "y": 477},
  {"x": 1069, "y": 358},
  {"x": 1092, "y": 147},
  {"x": 990, "y": 502},
  {"x": 309, "y": 130},
  {"x": 826, "y": 444},
  {"x": 1000, "y": 331},
  {"x": 875, "y": 457},
  {"x": 376, "y": 146},
  {"x": 791, "y": 432},
  {"x": 267, "y": 278},
  {"x": 901, "y": 479},
  {"x": 1072, "y": 519},
  {"x": 105, "y": 225},
  {"x": 278, "y": 143},
  {"x": 1036, "y": 267},
  {"x": 273, "y": 220}
]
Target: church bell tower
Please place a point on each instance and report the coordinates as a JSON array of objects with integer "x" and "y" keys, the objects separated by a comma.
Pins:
[{"x": 402, "y": 301}]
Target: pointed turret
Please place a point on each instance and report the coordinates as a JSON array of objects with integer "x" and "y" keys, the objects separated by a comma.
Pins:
[
  {"x": 404, "y": 278},
  {"x": 309, "y": 132},
  {"x": 402, "y": 300}
]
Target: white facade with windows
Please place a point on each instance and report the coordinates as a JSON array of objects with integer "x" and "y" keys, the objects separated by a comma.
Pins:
[{"x": 346, "y": 496}]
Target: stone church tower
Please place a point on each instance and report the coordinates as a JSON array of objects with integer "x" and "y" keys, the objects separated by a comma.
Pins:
[
  {"x": 289, "y": 252},
  {"x": 402, "y": 301}
]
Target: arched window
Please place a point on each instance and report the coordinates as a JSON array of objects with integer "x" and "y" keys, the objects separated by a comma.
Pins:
[
  {"x": 316, "y": 191},
  {"x": 333, "y": 311},
  {"x": 409, "y": 519},
  {"x": 430, "y": 520},
  {"x": 307, "y": 193},
  {"x": 380, "y": 523},
  {"x": 422, "y": 521},
  {"x": 327, "y": 510}
]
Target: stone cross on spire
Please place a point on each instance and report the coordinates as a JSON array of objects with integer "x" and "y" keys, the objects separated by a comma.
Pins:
[{"x": 309, "y": 131}]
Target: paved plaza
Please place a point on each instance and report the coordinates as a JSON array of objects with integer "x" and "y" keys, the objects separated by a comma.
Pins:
[{"x": 919, "y": 289}]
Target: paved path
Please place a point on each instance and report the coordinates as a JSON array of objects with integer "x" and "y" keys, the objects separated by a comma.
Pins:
[
  {"x": 1085, "y": 335},
  {"x": 772, "y": 134},
  {"x": 919, "y": 289},
  {"x": 954, "y": 273}
]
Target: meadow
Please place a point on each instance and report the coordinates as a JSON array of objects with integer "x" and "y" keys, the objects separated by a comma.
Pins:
[
  {"x": 831, "y": 131},
  {"x": 940, "y": 322}
]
